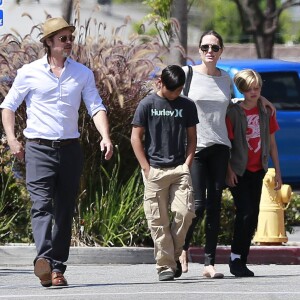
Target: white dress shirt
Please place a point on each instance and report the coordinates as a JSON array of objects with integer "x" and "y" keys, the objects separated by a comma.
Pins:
[{"x": 52, "y": 103}]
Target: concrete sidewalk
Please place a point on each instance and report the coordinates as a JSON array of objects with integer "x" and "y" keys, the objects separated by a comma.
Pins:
[{"x": 287, "y": 254}]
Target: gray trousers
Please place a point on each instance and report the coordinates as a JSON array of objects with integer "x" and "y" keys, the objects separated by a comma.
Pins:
[{"x": 52, "y": 179}]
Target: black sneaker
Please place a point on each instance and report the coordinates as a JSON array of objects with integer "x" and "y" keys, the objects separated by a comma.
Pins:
[
  {"x": 248, "y": 273},
  {"x": 239, "y": 269},
  {"x": 166, "y": 275},
  {"x": 178, "y": 271},
  {"x": 236, "y": 267}
]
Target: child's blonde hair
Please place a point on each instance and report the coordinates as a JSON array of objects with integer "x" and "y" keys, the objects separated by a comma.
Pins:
[{"x": 245, "y": 78}]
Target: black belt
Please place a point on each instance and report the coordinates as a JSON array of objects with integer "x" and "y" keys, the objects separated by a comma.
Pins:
[{"x": 53, "y": 143}]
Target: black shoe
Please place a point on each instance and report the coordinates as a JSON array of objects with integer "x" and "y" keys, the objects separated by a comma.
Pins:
[
  {"x": 248, "y": 273},
  {"x": 239, "y": 269},
  {"x": 166, "y": 275},
  {"x": 236, "y": 267},
  {"x": 178, "y": 271}
]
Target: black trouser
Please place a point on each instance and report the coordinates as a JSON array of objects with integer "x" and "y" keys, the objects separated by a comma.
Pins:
[
  {"x": 246, "y": 196},
  {"x": 52, "y": 178},
  {"x": 208, "y": 177}
]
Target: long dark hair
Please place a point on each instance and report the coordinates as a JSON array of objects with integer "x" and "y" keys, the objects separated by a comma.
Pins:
[{"x": 214, "y": 33}]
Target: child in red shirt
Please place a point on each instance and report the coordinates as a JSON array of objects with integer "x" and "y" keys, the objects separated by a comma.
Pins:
[{"x": 251, "y": 130}]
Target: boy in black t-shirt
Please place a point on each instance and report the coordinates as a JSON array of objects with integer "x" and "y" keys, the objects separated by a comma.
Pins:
[{"x": 168, "y": 121}]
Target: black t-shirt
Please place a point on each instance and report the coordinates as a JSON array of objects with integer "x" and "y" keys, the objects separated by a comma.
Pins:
[{"x": 165, "y": 124}]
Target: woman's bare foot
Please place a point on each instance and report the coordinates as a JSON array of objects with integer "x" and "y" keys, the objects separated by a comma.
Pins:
[
  {"x": 184, "y": 261},
  {"x": 210, "y": 272}
]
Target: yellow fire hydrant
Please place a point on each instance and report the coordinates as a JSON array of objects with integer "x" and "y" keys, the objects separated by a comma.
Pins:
[{"x": 270, "y": 227}]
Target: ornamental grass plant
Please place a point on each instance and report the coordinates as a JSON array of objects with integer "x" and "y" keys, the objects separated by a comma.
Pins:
[{"x": 124, "y": 70}]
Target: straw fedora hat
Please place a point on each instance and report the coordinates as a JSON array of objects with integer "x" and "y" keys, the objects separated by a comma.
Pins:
[{"x": 53, "y": 25}]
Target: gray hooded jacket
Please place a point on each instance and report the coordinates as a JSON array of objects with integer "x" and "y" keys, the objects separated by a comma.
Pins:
[{"x": 239, "y": 150}]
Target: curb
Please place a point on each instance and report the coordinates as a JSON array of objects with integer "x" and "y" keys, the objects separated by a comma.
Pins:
[
  {"x": 24, "y": 255},
  {"x": 260, "y": 255}
]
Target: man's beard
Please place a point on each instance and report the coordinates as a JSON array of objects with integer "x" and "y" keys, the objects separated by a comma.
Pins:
[{"x": 66, "y": 54}]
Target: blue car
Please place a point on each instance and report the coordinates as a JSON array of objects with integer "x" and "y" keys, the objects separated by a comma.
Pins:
[{"x": 281, "y": 86}]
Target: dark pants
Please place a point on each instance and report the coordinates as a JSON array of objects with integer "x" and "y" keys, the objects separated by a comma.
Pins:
[
  {"x": 52, "y": 178},
  {"x": 208, "y": 177},
  {"x": 246, "y": 196}
]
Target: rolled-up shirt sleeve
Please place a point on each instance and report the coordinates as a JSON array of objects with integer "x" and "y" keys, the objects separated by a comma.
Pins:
[
  {"x": 17, "y": 92},
  {"x": 91, "y": 97}
]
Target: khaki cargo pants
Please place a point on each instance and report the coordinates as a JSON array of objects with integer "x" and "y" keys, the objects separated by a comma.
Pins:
[{"x": 168, "y": 188}]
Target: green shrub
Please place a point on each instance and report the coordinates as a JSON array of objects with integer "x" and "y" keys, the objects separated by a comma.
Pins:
[
  {"x": 113, "y": 213},
  {"x": 292, "y": 213},
  {"x": 14, "y": 201}
]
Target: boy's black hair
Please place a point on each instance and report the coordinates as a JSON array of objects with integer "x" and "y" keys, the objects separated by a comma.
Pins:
[{"x": 172, "y": 77}]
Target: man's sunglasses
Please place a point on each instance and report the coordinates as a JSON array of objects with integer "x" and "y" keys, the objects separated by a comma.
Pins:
[
  {"x": 215, "y": 48},
  {"x": 65, "y": 38}
]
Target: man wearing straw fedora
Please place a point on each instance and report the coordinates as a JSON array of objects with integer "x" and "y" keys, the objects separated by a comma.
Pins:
[{"x": 52, "y": 88}]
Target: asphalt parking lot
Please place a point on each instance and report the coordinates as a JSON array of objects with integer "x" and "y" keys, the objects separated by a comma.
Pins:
[{"x": 141, "y": 282}]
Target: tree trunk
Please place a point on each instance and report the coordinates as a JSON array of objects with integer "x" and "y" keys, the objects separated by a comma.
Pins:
[
  {"x": 178, "y": 38},
  {"x": 67, "y": 8},
  {"x": 262, "y": 25},
  {"x": 264, "y": 44},
  {"x": 271, "y": 25}
]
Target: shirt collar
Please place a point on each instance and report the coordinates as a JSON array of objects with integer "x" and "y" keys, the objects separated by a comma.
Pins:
[{"x": 47, "y": 65}]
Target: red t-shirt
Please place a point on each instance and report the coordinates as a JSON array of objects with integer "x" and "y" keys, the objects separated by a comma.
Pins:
[{"x": 253, "y": 137}]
